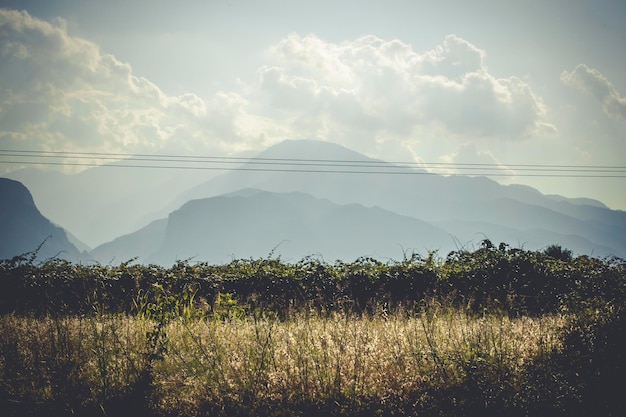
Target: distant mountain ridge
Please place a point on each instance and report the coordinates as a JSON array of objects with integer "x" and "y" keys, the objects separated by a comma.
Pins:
[
  {"x": 102, "y": 203},
  {"x": 254, "y": 223},
  {"x": 24, "y": 230},
  {"x": 267, "y": 202},
  {"x": 584, "y": 225}
]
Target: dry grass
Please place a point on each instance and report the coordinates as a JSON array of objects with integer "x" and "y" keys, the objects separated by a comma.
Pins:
[{"x": 308, "y": 359}]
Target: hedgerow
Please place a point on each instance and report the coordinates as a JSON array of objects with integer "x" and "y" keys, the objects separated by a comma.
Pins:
[{"x": 514, "y": 280}]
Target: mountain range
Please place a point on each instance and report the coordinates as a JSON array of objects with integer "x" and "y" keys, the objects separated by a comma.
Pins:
[
  {"x": 255, "y": 223},
  {"x": 99, "y": 204},
  {"x": 305, "y": 197}
]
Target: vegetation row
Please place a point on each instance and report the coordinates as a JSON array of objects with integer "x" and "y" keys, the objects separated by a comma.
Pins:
[
  {"x": 514, "y": 280},
  {"x": 496, "y": 331}
]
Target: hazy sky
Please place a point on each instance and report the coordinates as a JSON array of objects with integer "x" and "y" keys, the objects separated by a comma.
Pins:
[{"x": 506, "y": 82}]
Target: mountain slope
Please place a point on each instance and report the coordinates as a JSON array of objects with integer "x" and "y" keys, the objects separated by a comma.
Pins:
[
  {"x": 140, "y": 245},
  {"x": 253, "y": 223},
  {"x": 457, "y": 201},
  {"x": 102, "y": 203},
  {"x": 24, "y": 229},
  {"x": 272, "y": 171}
]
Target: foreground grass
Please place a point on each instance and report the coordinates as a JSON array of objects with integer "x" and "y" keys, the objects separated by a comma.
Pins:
[
  {"x": 340, "y": 363},
  {"x": 497, "y": 331}
]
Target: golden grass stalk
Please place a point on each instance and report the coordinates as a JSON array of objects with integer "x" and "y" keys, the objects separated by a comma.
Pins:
[{"x": 308, "y": 358}]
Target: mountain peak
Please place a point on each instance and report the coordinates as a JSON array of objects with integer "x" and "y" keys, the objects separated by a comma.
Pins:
[
  {"x": 311, "y": 149},
  {"x": 15, "y": 197}
]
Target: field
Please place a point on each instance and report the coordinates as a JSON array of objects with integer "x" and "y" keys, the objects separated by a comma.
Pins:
[{"x": 497, "y": 331}]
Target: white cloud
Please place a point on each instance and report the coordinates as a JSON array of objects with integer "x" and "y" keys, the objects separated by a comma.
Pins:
[
  {"x": 454, "y": 59},
  {"x": 469, "y": 160},
  {"x": 372, "y": 85},
  {"x": 61, "y": 92},
  {"x": 593, "y": 82}
]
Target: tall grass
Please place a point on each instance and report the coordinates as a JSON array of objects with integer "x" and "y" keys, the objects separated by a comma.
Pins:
[
  {"x": 338, "y": 363},
  {"x": 68, "y": 363},
  {"x": 495, "y": 332}
]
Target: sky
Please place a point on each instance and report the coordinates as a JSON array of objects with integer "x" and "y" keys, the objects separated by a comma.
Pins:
[{"x": 498, "y": 82}]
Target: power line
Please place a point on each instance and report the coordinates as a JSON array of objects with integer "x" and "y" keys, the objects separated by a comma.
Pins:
[
  {"x": 309, "y": 165},
  {"x": 166, "y": 157},
  {"x": 325, "y": 163},
  {"x": 320, "y": 171}
]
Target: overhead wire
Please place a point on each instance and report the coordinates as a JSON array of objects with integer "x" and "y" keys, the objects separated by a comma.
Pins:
[{"x": 304, "y": 165}]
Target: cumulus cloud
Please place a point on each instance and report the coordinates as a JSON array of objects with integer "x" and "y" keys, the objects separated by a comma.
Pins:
[
  {"x": 595, "y": 83},
  {"x": 469, "y": 160},
  {"x": 61, "y": 92},
  {"x": 453, "y": 59},
  {"x": 376, "y": 85},
  {"x": 58, "y": 91}
]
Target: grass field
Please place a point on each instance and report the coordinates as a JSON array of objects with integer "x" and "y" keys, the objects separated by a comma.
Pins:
[
  {"x": 190, "y": 366},
  {"x": 181, "y": 350}
]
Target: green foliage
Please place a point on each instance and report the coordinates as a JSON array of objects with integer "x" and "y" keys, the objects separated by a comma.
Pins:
[
  {"x": 558, "y": 252},
  {"x": 513, "y": 280},
  {"x": 226, "y": 307}
]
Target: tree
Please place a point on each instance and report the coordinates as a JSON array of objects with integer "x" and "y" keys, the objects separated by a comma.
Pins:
[{"x": 558, "y": 252}]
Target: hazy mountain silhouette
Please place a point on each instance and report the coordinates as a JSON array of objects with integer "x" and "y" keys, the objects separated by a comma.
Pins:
[
  {"x": 106, "y": 204},
  {"x": 322, "y": 184},
  {"x": 461, "y": 202},
  {"x": 140, "y": 245},
  {"x": 24, "y": 229},
  {"x": 102, "y": 203},
  {"x": 252, "y": 223}
]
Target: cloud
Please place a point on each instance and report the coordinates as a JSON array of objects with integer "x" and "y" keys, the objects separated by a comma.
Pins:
[
  {"x": 452, "y": 60},
  {"x": 593, "y": 82},
  {"x": 375, "y": 85},
  {"x": 469, "y": 160},
  {"x": 61, "y": 92}
]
